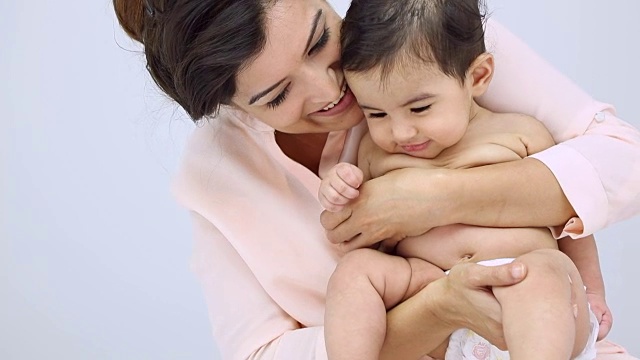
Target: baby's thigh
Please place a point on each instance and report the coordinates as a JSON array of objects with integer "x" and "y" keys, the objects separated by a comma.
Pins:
[
  {"x": 552, "y": 278},
  {"x": 549, "y": 266},
  {"x": 394, "y": 278}
]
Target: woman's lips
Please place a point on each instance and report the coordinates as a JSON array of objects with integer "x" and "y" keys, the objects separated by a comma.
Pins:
[{"x": 347, "y": 100}]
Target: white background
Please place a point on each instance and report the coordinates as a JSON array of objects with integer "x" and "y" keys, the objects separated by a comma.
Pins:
[{"x": 94, "y": 252}]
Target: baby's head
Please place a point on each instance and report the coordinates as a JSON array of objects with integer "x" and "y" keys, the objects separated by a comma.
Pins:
[
  {"x": 415, "y": 67},
  {"x": 385, "y": 34}
]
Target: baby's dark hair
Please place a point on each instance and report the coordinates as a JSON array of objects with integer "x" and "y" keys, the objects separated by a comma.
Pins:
[{"x": 383, "y": 34}]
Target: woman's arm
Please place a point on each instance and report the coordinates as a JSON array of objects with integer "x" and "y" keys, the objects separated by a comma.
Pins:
[
  {"x": 593, "y": 173},
  {"x": 246, "y": 322},
  {"x": 597, "y": 160}
]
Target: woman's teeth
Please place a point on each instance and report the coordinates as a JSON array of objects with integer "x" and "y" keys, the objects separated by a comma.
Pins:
[{"x": 330, "y": 106}]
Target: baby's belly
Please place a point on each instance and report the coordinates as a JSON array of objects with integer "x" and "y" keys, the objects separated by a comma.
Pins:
[{"x": 446, "y": 246}]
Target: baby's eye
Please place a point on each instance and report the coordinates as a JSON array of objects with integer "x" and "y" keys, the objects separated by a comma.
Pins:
[
  {"x": 376, "y": 115},
  {"x": 420, "y": 109}
]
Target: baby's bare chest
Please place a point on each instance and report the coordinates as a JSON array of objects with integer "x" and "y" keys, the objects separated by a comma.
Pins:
[{"x": 471, "y": 151}]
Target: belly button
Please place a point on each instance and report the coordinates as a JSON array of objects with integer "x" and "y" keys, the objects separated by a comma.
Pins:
[{"x": 465, "y": 258}]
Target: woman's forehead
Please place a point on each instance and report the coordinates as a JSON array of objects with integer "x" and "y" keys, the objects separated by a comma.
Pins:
[{"x": 290, "y": 26}]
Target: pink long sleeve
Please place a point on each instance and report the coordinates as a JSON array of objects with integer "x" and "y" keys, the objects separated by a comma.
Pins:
[
  {"x": 246, "y": 322},
  {"x": 597, "y": 159}
]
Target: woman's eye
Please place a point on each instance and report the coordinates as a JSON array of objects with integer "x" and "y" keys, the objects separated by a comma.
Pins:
[
  {"x": 279, "y": 99},
  {"x": 420, "y": 109},
  {"x": 322, "y": 42}
]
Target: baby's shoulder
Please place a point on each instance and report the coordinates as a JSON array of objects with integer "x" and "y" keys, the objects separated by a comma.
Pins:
[
  {"x": 527, "y": 128},
  {"x": 513, "y": 123}
]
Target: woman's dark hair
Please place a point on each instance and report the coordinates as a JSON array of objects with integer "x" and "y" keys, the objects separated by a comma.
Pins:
[
  {"x": 195, "y": 48},
  {"x": 379, "y": 34}
]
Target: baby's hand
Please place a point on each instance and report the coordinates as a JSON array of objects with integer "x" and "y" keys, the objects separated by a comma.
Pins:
[
  {"x": 603, "y": 313},
  {"x": 339, "y": 186}
]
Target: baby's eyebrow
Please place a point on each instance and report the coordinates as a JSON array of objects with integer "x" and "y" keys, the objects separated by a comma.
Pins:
[{"x": 417, "y": 98}]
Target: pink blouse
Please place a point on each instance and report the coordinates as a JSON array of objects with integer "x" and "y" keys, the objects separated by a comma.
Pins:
[{"x": 261, "y": 253}]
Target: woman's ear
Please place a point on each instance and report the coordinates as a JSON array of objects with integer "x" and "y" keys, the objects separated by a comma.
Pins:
[{"x": 480, "y": 73}]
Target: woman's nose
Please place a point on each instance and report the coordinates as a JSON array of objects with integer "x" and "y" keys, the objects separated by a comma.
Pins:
[{"x": 324, "y": 84}]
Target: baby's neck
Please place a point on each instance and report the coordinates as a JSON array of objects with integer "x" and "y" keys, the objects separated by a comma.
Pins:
[{"x": 478, "y": 114}]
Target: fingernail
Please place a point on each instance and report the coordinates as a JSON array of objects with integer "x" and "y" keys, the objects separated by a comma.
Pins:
[{"x": 517, "y": 271}]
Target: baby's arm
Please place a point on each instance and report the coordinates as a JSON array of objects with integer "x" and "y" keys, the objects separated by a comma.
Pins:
[
  {"x": 584, "y": 254},
  {"x": 343, "y": 180},
  {"x": 339, "y": 186}
]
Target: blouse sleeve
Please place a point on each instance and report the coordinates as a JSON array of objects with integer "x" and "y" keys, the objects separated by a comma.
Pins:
[
  {"x": 597, "y": 159},
  {"x": 246, "y": 322}
]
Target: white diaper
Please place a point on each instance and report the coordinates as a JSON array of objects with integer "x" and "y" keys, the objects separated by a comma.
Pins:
[{"x": 465, "y": 344}]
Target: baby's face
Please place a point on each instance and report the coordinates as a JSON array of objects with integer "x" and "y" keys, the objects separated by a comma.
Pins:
[{"x": 416, "y": 110}]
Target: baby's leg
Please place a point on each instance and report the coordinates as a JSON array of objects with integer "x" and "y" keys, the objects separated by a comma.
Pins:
[
  {"x": 545, "y": 316},
  {"x": 364, "y": 285}
]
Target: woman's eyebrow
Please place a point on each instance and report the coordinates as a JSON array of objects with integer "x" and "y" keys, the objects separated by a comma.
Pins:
[
  {"x": 316, "y": 19},
  {"x": 314, "y": 26},
  {"x": 262, "y": 93}
]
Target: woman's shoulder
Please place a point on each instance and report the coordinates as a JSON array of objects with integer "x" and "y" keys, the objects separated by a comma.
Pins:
[{"x": 219, "y": 150}]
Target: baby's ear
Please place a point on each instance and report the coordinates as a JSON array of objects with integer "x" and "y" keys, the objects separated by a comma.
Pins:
[{"x": 480, "y": 73}]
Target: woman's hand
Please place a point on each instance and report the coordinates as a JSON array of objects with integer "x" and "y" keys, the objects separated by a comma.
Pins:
[
  {"x": 402, "y": 203},
  {"x": 463, "y": 299},
  {"x": 469, "y": 301}
]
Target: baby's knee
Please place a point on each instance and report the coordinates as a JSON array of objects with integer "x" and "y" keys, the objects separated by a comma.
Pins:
[
  {"x": 546, "y": 266},
  {"x": 358, "y": 264},
  {"x": 548, "y": 261}
]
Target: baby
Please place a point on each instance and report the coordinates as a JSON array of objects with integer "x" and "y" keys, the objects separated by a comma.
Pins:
[{"x": 416, "y": 68}]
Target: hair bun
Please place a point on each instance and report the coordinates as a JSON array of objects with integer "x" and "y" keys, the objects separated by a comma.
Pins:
[{"x": 130, "y": 14}]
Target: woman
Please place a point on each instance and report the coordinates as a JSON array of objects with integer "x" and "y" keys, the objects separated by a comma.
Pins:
[{"x": 269, "y": 71}]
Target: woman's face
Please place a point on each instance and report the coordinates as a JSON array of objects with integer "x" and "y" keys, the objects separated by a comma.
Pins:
[{"x": 296, "y": 84}]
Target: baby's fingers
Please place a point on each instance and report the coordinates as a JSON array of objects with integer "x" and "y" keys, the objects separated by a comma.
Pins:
[
  {"x": 331, "y": 203},
  {"x": 350, "y": 174},
  {"x": 606, "y": 322},
  {"x": 340, "y": 192},
  {"x": 334, "y": 194}
]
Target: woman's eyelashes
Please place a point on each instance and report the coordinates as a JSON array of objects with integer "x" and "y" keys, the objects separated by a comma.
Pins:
[
  {"x": 322, "y": 42},
  {"x": 319, "y": 45},
  {"x": 280, "y": 98}
]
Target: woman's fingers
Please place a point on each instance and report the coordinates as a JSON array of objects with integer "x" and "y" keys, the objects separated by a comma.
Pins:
[
  {"x": 488, "y": 276},
  {"x": 331, "y": 220},
  {"x": 406, "y": 202},
  {"x": 473, "y": 303}
]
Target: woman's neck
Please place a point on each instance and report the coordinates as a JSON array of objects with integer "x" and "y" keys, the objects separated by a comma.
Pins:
[{"x": 305, "y": 149}]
